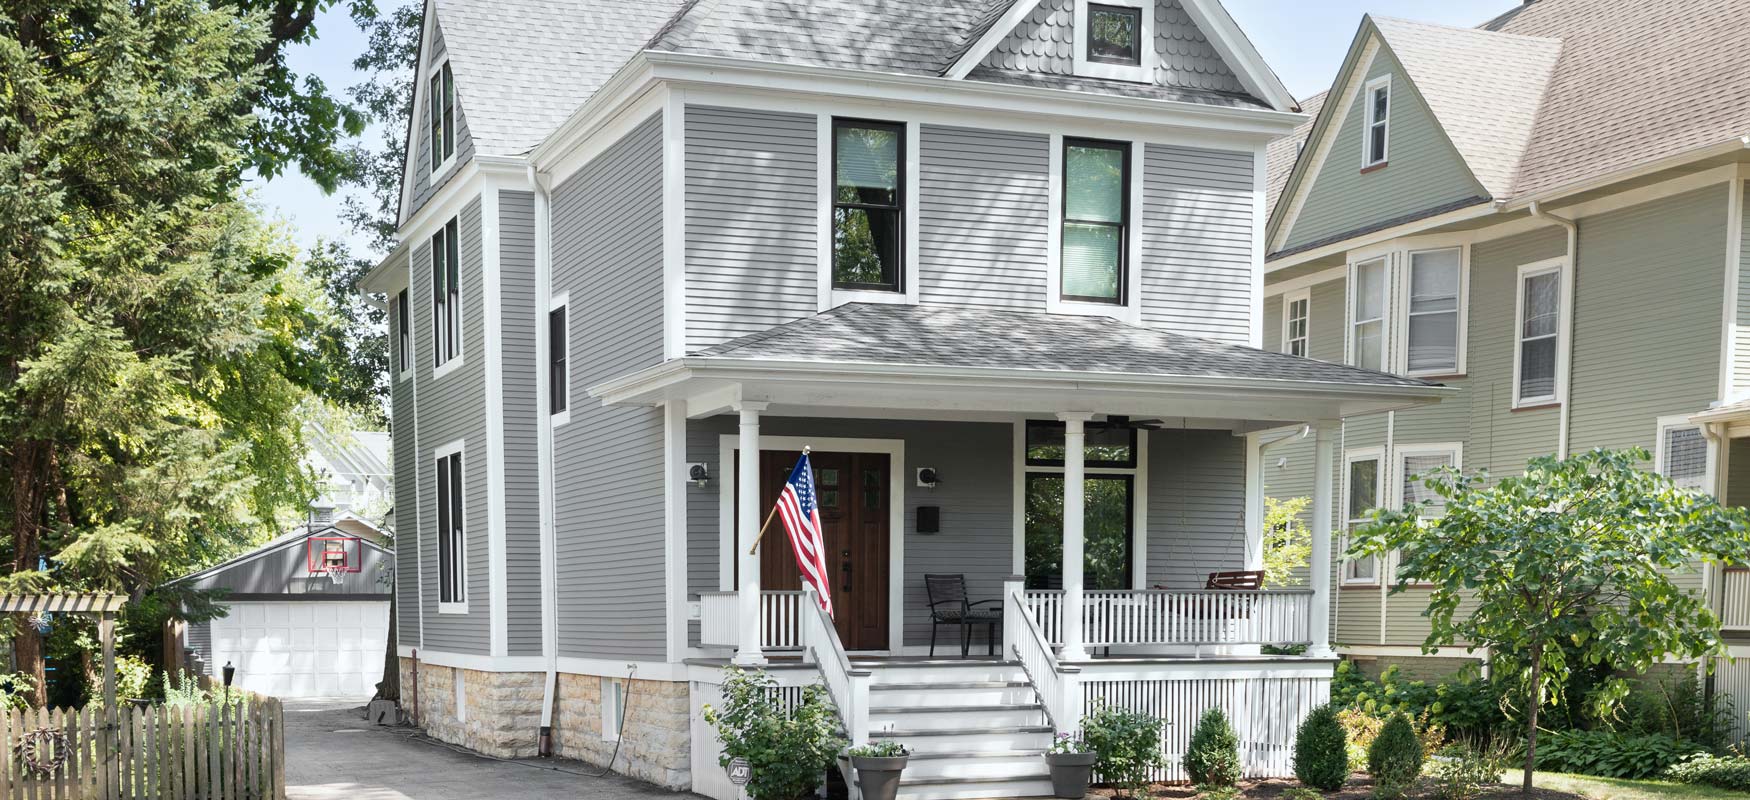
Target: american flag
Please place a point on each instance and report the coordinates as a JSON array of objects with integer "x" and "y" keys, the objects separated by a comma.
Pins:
[{"x": 796, "y": 505}]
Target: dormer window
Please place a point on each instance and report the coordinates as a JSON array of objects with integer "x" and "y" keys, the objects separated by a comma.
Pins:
[
  {"x": 441, "y": 104},
  {"x": 1378, "y": 117},
  {"x": 1114, "y": 34}
]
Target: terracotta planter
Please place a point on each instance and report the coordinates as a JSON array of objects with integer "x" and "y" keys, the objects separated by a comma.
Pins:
[
  {"x": 878, "y": 778},
  {"x": 1071, "y": 773}
]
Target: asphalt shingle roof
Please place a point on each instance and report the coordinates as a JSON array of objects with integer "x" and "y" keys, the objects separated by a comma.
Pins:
[
  {"x": 1281, "y": 153},
  {"x": 946, "y": 336},
  {"x": 920, "y": 37}
]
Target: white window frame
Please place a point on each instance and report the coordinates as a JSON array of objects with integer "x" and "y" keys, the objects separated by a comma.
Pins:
[
  {"x": 1463, "y": 332},
  {"x": 456, "y": 359},
  {"x": 830, "y": 297},
  {"x": 446, "y": 163},
  {"x": 405, "y": 353},
  {"x": 1131, "y": 310},
  {"x": 1558, "y": 266},
  {"x": 1147, "y": 56},
  {"x": 1385, "y": 311},
  {"x": 561, "y": 300},
  {"x": 458, "y": 549},
  {"x": 1368, "y": 123},
  {"x": 1302, "y": 295},
  {"x": 1381, "y": 478},
  {"x": 1403, "y": 453},
  {"x": 614, "y": 692},
  {"x": 1669, "y": 423}
]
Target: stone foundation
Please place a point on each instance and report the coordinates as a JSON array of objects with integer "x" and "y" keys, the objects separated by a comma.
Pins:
[{"x": 501, "y": 716}]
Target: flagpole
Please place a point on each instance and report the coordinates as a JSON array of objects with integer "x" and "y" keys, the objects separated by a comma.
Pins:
[{"x": 763, "y": 527}]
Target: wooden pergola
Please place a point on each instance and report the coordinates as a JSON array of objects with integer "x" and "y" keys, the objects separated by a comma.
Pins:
[{"x": 102, "y": 606}]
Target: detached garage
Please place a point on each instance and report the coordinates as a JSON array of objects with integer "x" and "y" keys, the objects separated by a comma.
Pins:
[{"x": 309, "y": 616}]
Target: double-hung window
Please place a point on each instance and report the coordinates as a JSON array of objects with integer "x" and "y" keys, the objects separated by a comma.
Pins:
[
  {"x": 1096, "y": 211},
  {"x": 1296, "y": 315},
  {"x": 1362, "y": 493},
  {"x": 1367, "y": 299},
  {"x": 440, "y": 104},
  {"x": 403, "y": 332},
  {"x": 558, "y": 360},
  {"x": 1415, "y": 464},
  {"x": 1433, "y": 330},
  {"x": 446, "y": 295},
  {"x": 451, "y": 539},
  {"x": 1539, "y": 327},
  {"x": 868, "y": 205},
  {"x": 1377, "y": 133},
  {"x": 1682, "y": 454}
]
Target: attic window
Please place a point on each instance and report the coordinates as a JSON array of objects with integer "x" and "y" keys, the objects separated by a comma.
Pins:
[
  {"x": 1113, "y": 35},
  {"x": 441, "y": 103},
  {"x": 1378, "y": 131}
]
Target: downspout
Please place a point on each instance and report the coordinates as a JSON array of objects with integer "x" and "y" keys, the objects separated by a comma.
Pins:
[
  {"x": 549, "y": 544},
  {"x": 1566, "y": 354}
]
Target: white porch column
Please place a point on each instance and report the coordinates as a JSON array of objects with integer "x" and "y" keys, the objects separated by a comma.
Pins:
[
  {"x": 1324, "y": 491},
  {"x": 1074, "y": 513},
  {"x": 747, "y": 489}
]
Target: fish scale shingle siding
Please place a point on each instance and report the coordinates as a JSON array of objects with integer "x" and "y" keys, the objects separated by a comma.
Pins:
[
  {"x": 1196, "y": 224},
  {"x": 983, "y": 217},
  {"x": 453, "y": 408},
  {"x": 422, "y": 188},
  {"x": 1044, "y": 42},
  {"x": 750, "y": 221},
  {"x": 609, "y": 481},
  {"x": 520, "y": 324}
]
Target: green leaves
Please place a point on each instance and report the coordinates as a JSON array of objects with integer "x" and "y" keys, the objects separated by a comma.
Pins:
[{"x": 789, "y": 749}]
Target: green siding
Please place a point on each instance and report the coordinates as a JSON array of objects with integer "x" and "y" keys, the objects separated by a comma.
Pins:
[
  {"x": 1423, "y": 170},
  {"x": 1741, "y": 331}
]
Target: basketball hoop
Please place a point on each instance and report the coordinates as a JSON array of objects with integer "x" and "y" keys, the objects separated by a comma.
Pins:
[{"x": 336, "y": 573}]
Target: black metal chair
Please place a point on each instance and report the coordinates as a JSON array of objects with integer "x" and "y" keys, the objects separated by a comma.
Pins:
[{"x": 949, "y": 606}]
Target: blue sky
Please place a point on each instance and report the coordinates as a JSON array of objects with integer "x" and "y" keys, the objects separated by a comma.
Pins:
[{"x": 1304, "y": 40}]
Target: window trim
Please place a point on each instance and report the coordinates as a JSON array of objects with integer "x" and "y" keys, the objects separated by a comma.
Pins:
[
  {"x": 1148, "y": 57},
  {"x": 1088, "y": 41},
  {"x": 1463, "y": 313},
  {"x": 1381, "y": 478},
  {"x": 1139, "y": 511},
  {"x": 1131, "y": 311},
  {"x": 900, "y": 278},
  {"x": 1126, "y": 225},
  {"x": 561, "y": 301},
  {"x": 450, "y": 230},
  {"x": 404, "y": 356},
  {"x": 828, "y": 296},
  {"x": 1558, "y": 392},
  {"x": 1368, "y": 123},
  {"x": 458, "y": 548},
  {"x": 1028, "y": 425},
  {"x": 445, "y": 75},
  {"x": 1289, "y": 298},
  {"x": 1385, "y": 312},
  {"x": 1667, "y": 423},
  {"x": 614, "y": 693},
  {"x": 1402, "y": 453}
]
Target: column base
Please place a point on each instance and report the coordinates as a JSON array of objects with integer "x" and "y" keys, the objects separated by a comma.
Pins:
[{"x": 745, "y": 659}]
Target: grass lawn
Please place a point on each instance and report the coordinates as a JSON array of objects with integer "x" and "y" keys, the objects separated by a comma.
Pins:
[{"x": 1618, "y": 789}]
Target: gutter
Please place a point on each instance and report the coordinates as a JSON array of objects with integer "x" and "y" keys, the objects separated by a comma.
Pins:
[{"x": 1565, "y": 355}]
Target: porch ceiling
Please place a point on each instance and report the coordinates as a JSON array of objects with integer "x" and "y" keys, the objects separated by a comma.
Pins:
[{"x": 880, "y": 358}]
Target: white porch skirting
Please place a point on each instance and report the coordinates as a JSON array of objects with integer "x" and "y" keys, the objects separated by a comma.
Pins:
[{"x": 1265, "y": 712}]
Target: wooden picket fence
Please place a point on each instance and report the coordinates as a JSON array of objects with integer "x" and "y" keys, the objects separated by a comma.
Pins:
[{"x": 209, "y": 752}]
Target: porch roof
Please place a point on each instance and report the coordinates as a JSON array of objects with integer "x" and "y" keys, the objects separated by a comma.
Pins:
[{"x": 937, "y": 355}]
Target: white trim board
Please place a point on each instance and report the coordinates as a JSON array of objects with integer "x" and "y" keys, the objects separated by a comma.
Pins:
[{"x": 570, "y": 665}]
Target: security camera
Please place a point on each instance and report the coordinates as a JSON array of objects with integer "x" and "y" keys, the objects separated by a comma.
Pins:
[{"x": 698, "y": 473}]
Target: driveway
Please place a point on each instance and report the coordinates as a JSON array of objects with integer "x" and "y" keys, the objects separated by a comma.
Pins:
[{"x": 332, "y": 754}]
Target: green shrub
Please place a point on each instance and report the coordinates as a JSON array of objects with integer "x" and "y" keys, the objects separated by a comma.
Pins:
[
  {"x": 1676, "y": 707},
  {"x": 1301, "y": 793},
  {"x": 1462, "y": 772},
  {"x": 1395, "y": 758},
  {"x": 1213, "y": 757},
  {"x": 1129, "y": 744},
  {"x": 1321, "y": 750},
  {"x": 1608, "y": 754},
  {"x": 1465, "y": 704},
  {"x": 132, "y": 673},
  {"x": 1363, "y": 728},
  {"x": 789, "y": 749},
  {"x": 1727, "y": 772}
]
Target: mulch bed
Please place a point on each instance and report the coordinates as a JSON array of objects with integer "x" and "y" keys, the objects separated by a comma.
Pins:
[{"x": 1359, "y": 787}]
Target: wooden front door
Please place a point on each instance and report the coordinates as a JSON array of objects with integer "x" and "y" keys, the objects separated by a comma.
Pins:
[{"x": 852, "y": 489}]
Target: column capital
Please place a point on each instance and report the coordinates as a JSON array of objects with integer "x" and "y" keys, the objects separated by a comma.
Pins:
[
  {"x": 1324, "y": 425},
  {"x": 755, "y": 406},
  {"x": 1075, "y": 416}
]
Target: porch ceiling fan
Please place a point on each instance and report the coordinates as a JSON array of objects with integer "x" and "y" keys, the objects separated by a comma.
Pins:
[{"x": 1125, "y": 422}]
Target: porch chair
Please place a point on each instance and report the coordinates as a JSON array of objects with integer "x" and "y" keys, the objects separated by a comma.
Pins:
[{"x": 949, "y": 606}]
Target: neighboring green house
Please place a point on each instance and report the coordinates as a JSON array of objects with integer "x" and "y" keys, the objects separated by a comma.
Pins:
[{"x": 1546, "y": 212}]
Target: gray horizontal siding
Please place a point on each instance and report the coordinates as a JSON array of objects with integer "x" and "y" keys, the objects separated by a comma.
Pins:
[
  {"x": 751, "y": 222},
  {"x": 608, "y": 462},
  {"x": 1196, "y": 506},
  {"x": 522, "y": 509},
  {"x": 405, "y": 455},
  {"x": 1197, "y": 217},
  {"x": 423, "y": 188},
  {"x": 983, "y": 217}
]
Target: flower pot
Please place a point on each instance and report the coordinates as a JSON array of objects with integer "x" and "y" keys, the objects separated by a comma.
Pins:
[
  {"x": 1071, "y": 773},
  {"x": 878, "y": 778}
]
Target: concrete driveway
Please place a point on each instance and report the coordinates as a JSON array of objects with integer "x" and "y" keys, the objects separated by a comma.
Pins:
[{"x": 332, "y": 754}]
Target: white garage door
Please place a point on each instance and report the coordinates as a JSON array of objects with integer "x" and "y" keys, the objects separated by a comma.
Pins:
[{"x": 310, "y": 648}]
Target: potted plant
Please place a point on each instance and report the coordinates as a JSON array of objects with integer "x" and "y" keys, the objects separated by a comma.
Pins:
[
  {"x": 1072, "y": 766},
  {"x": 878, "y": 767}
]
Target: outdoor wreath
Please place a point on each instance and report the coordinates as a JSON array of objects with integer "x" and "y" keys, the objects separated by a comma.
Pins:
[{"x": 41, "y": 752}]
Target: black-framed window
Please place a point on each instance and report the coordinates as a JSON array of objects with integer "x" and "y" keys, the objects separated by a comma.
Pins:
[
  {"x": 452, "y": 546},
  {"x": 446, "y": 294},
  {"x": 1096, "y": 220},
  {"x": 403, "y": 332},
  {"x": 441, "y": 103},
  {"x": 1102, "y": 445},
  {"x": 868, "y": 205},
  {"x": 1107, "y": 535},
  {"x": 557, "y": 374},
  {"x": 1114, "y": 34}
]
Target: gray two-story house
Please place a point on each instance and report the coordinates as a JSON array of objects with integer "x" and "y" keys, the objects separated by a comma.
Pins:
[
  {"x": 996, "y": 265},
  {"x": 1546, "y": 213}
]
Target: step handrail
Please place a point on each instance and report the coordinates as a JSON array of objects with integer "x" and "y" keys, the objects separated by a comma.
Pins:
[
  {"x": 848, "y": 686},
  {"x": 1057, "y": 686}
]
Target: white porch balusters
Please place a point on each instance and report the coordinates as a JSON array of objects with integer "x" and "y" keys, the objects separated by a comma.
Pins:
[
  {"x": 1074, "y": 483},
  {"x": 748, "y": 651},
  {"x": 1324, "y": 487}
]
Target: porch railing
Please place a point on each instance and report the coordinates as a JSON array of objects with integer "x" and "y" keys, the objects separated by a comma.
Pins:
[
  {"x": 848, "y": 686},
  {"x": 1735, "y": 600},
  {"x": 1055, "y": 684},
  {"x": 1181, "y": 617},
  {"x": 780, "y": 619}
]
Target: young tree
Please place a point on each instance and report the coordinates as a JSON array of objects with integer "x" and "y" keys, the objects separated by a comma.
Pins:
[
  {"x": 1287, "y": 541},
  {"x": 1572, "y": 560}
]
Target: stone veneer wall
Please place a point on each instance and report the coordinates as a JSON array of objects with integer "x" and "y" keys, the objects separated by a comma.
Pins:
[{"x": 503, "y": 717}]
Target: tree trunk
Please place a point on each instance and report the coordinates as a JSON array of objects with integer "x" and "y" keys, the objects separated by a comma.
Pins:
[
  {"x": 389, "y": 688},
  {"x": 1531, "y": 718},
  {"x": 29, "y": 496}
]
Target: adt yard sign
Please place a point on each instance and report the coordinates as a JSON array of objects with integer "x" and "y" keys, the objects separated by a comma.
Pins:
[{"x": 740, "y": 772}]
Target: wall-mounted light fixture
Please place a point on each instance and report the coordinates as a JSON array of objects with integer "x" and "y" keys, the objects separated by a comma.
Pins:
[
  {"x": 698, "y": 473},
  {"x": 927, "y": 477}
]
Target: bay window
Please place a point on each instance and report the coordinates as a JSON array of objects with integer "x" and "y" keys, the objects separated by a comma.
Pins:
[
  {"x": 1367, "y": 299},
  {"x": 1433, "y": 325}
]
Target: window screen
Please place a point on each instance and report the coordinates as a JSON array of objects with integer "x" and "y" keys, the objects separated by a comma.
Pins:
[
  {"x": 1685, "y": 456},
  {"x": 1415, "y": 491}
]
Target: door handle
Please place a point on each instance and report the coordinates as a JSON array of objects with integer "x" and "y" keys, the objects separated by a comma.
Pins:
[{"x": 845, "y": 568}]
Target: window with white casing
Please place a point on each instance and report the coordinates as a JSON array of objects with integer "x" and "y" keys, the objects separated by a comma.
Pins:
[
  {"x": 452, "y": 543},
  {"x": 1114, "y": 39},
  {"x": 1414, "y": 464},
  {"x": 1296, "y": 317},
  {"x": 440, "y": 106},
  {"x": 1433, "y": 330},
  {"x": 1376, "y": 108},
  {"x": 1367, "y": 302},
  {"x": 1538, "y": 344},
  {"x": 1361, "y": 494},
  {"x": 446, "y": 295},
  {"x": 1683, "y": 455},
  {"x": 613, "y": 708},
  {"x": 403, "y": 332},
  {"x": 559, "y": 360}
]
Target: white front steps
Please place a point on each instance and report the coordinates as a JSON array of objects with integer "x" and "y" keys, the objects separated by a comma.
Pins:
[{"x": 975, "y": 728}]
